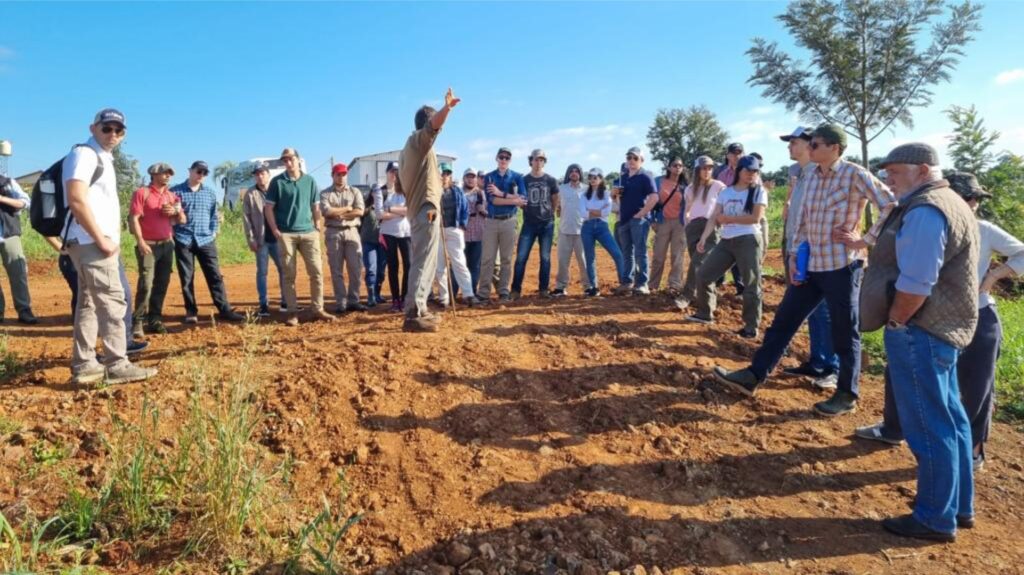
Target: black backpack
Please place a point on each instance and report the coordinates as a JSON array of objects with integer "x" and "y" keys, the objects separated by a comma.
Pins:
[{"x": 49, "y": 214}]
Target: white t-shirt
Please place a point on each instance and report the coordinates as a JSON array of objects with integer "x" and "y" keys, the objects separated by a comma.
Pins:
[
  {"x": 732, "y": 202},
  {"x": 102, "y": 199},
  {"x": 569, "y": 198},
  {"x": 696, "y": 205}
]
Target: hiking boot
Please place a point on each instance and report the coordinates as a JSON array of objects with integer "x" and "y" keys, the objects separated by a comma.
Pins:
[
  {"x": 135, "y": 347},
  {"x": 623, "y": 289},
  {"x": 472, "y": 302},
  {"x": 828, "y": 382},
  {"x": 128, "y": 372},
  {"x": 743, "y": 381},
  {"x": 27, "y": 317},
  {"x": 747, "y": 333},
  {"x": 515, "y": 295},
  {"x": 907, "y": 526},
  {"x": 427, "y": 323},
  {"x": 545, "y": 294},
  {"x": 89, "y": 375},
  {"x": 504, "y": 298},
  {"x": 876, "y": 432},
  {"x": 696, "y": 318},
  {"x": 558, "y": 292},
  {"x": 356, "y": 307},
  {"x": 323, "y": 316},
  {"x": 805, "y": 370},
  {"x": 841, "y": 403},
  {"x": 292, "y": 321},
  {"x": 231, "y": 315},
  {"x": 681, "y": 303},
  {"x": 156, "y": 326},
  {"x": 483, "y": 301}
]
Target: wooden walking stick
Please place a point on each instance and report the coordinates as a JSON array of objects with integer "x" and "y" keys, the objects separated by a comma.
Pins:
[{"x": 447, "y": 268}]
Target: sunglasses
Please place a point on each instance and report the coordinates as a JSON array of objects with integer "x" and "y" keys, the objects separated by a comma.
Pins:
[
  {"x": 504, "y": 158},
  {"x": 469, "y": 176},
  {"x": 816, "y": 145},
  {"x": 594, "y": 177},
  {"x": 632, "y": 157},
  {"x": 203, "y": 172},
  {"x": 109, "y": 129}
]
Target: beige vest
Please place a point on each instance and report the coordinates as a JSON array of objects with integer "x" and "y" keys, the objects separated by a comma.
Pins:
[{"x": 951, "y": 311}]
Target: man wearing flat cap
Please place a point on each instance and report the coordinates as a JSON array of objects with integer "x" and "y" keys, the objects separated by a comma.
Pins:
[
  {"x": 154, "y": 210},
  {"x": 261, "y": 241}
]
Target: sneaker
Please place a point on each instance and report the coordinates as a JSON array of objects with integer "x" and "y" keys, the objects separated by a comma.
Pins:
[
  {"x": 558, "y": 292},
  {"x": 472, "y": 301},
  {"x": 504, "y": 298},
  {"x": 805, "y": 370},
  {"x": 27, "y": 317},
  {"x": 483, "y": 301},
  {"x": 747, "y": 333},
  {"x": 292, "y": 321},
  {"x": 338, "y": 310},
  {"x": 515, "y": 295},
  {"x": 191, "y": 319},
  {"x": 128, "y": 372},
  {"x": 700, "y": 319},
  {"x": 396, "y": 306},
  {"x": 681, "y": 303},
  {"x": 545, "y": 294},
  {"x": 743, "y": 381},
  {"x": 356, "y": 307},
  {"x": 284, "y": 308},
  {"x": 231, "y": 315},
  {"x": 965, "y": 522},
  {"x": 156, "y": 326},
  {"x": 623, "y": 289},
  {"x": 264, "y": 311},
  {"x": 593, "y": 292},
  {"x": 828, "y": 382},
  {"x": 371, "y": 302},
  {"x": 135, "y": 347},
  {"x": 907, "y": 526},
  {"x": 427, "y": 323},
  {"x": 642, "y": 290},
  {"x": 89, "y": 375},
  {"x": 841, "y": 403},
  {"x": 323, "y": 315},
  {"x": 875, "y": 433},
  {"x": 979, "y": 463}
]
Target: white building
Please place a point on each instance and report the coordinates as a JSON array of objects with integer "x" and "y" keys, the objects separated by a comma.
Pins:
[{"x": 364, "y": 171}]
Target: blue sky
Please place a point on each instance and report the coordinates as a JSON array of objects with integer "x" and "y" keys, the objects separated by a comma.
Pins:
[{"x": 234, "y": 80}]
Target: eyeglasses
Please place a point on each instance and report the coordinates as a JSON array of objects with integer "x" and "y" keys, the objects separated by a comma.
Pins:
[
  {"x": 109, "y": 129},
  {"x": 504, "y": 158},
  {"x": 594, "y": 177},
  {"x": 632, "y": 157},
  {"x": 540, "y": 160},
  {"x": 203, "y": 172}
]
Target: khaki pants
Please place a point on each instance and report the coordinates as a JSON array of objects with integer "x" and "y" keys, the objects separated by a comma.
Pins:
[
  {"x": 426, "y": 236},
  {"x": 307, "y": 245},
  {"x": 499, "y": 242},
  {"x": 669, "y": 237},
  {"x": 745, "y": 252},
  {"x": 16, "y": 267},
  {"x": 570, "y": 245},
  {"x": 344, "y": 249},
  {"x": 101, "y": 308}
]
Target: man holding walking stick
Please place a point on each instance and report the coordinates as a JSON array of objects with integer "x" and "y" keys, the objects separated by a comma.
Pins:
[{"x": 420, "y": 178}]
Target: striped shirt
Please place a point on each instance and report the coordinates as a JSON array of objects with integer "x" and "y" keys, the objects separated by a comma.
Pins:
[
  {"x": 835, "y": 197},
  {"x": 200, "y": 209}
]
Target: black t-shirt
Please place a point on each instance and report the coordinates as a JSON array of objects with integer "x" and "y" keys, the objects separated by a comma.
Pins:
[{"x": 538, "y": 198}]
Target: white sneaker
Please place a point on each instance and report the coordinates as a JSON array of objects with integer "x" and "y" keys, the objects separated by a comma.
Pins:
[
  {"x": 90, "y": 375},
  {"x": 128, "y": 372},
  {"x": 829, "y": 381},
  {"x": 191, "y": 319}
]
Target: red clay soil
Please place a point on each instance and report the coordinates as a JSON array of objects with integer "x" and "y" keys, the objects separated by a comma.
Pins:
[{"x": 575, "y": 436}]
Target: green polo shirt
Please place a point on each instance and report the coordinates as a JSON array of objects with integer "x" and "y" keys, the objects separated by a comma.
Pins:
[{"x": 293, "y": 202}]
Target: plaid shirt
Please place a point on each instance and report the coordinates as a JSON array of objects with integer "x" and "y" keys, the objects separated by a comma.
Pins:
[
  {"x": 835, "y": 197},
  {"x": 201, "y": 210}
]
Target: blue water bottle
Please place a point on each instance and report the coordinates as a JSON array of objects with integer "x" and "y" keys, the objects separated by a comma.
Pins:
[{"x": 803, "y": 257}]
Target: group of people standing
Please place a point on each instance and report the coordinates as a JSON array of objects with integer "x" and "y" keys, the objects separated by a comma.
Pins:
[{"x": 928, "y": 282}]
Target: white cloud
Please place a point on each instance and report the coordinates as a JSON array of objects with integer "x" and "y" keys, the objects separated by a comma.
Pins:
[
  {"x": 762, "y": 111},
  {"x": 6, "y": 53},
  {"x": 1009, "y": 77}
]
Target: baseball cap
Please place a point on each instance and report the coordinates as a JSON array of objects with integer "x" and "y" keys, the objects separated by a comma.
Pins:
[
  {"x": 831, "y": 133},
  {"x": 111, "y": 115},
  {"x": 595, "y": 172},
  {"x": 503, "y": 150},
  {"x": 260, "y": 167},
  {"x": 445, "y": 167},
  {"x": 199, "y": 165},
  {"x": 748, "y": 163},
  {"x": 339, "y": 169},
  {"x": 636, "y": 151},
  {"x": 288, "y": 152},
  {"x": 468, "y": 172},
  {"x": 703, "y": 161},
  {"x": 735, "y": 148},
  {"x": 392, "y": 166},
  {"x": 538, "y": 153},
  {"x": 799, "y": 133},
  {"x": 160, "y": 168}
]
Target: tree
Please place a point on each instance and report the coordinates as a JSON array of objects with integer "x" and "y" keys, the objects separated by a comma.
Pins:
[
  {"x": 685, "y": 133},
  {"x": 126, "y": 167},
  {"x": 971, "y": 143},
  {"x": 222, "y": 169},
  {"x": 867, "y": 70}
]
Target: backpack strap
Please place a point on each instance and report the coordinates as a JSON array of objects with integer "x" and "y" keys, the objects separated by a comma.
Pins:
[{"x": 96, "y": 175}]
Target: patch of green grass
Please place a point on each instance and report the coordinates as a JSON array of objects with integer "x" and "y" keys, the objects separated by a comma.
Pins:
[
  {"x": 872, "y": 344},
  {"x": 10, "y": 365},
  {"x": 8, "y": 425},
  {"x": 315, "y": 548},
  {"x": 1010, "y": 368}
]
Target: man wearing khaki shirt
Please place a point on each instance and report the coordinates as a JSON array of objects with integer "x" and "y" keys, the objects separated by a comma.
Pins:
[
  {"x": 420, "y": 179},
  {"x": 342, "y": 207}
]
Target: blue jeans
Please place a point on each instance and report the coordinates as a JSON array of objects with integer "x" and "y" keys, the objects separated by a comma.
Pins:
[
  {"x": 474, "y": 251},
  {"x": 840, "y": 290},
  {"x": 924, "y": 384},
  {"x": 634, "y": 250},
  {"x": 819, "y": 328},
  {"x": 267, "y": 252},
  {"x": 544, "y": 233},
  {"x": 67, "y": 269},
  {"x": 375, "y": 261},
  {"x": 595, "y": 231}
]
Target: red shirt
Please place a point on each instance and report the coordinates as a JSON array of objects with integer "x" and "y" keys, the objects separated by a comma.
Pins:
[{"x": 156, "y": 227}]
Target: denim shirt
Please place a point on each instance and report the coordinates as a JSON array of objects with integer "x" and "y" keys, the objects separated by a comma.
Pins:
[{"x": 504, "y": 183}]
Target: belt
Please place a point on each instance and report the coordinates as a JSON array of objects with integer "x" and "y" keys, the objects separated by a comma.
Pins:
[
  {"x": 505, "y": 217},
  {"x": 159, "y": 242}
]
